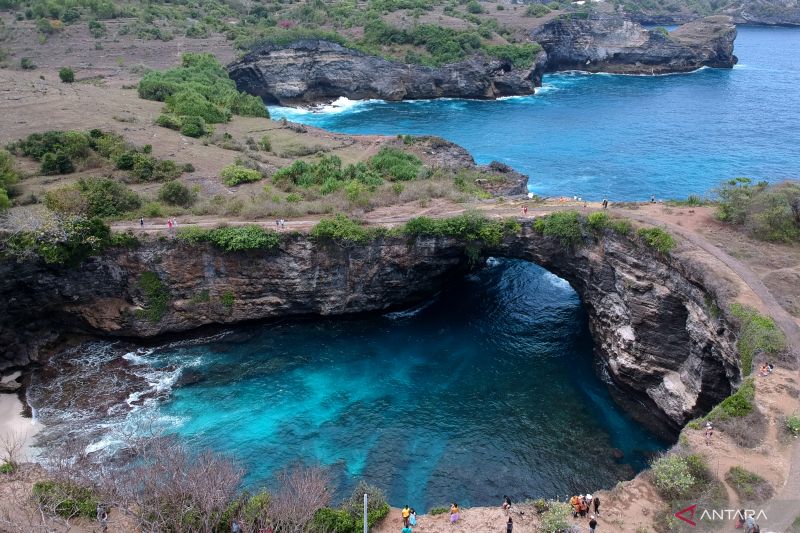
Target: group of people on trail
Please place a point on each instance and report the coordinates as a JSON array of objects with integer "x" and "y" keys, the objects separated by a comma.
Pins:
[
  {"x": 582, "y": 505},
  {"x": 172, "y": 223},
  {"x": 766, "y": 369},
  {"x": 280, "y": 223}
]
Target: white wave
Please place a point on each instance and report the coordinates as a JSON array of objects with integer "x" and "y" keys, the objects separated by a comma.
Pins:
[
  {"x": 408, "y": 313},
  {"x": 492, "y": 262},
  {"x": 107, "y": 441},
  {"x": 555, "y": 281},
  {"x": 340, "y": 105},
  {"x": 139, "y": 357}
]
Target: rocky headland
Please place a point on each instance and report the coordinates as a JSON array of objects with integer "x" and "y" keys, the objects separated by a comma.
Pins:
[
  {"x": 313, "y": 71},
  {"x": 611, "y": 43},
  {"x": 662, "y": 343}
]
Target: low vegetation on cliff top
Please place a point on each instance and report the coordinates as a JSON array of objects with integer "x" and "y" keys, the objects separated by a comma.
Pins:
[
  {"x": 196, "y": 93},
  {"x": 758, "y": 334},
  {"x": 768, "y": 212}
]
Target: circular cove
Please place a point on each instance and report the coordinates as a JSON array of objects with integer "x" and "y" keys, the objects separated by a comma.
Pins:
[{"x": 487, "y": 389}]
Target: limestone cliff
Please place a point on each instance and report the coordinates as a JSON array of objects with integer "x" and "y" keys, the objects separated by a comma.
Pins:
[
  {"x": 661, "y": 343},
  {"x": 314, "y": 71},
  {"x": 611, "y": 43}
]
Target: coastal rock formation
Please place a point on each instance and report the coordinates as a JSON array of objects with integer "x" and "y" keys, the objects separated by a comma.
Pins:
[
  {"x": 315, "y": 71},
  {"x": 660, "y": 341},
  {"x": 611, "y": 43}
]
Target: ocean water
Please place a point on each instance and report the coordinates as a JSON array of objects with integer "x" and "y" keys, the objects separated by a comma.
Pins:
[
  {"x": 487, "y": 389},
  {"x": 621, "y": 137}
]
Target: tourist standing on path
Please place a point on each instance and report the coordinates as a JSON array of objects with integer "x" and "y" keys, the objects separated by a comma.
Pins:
[
  {"x": 406, "y": 529},
  {"x": 454, "y": 513},
  {"x": 412, "y": 520},
  {"x": 592, "y": 524},
  {"x": 510, "y": 526},
  {"x": 169, "y": 224},
  {"x": 141, "y": 222},
  {"x": 406, "y": 513},
  {"x": 506, "y": 503},
  {"x": 709, "y": 433},
  {"x": 597, "y": 505},
  {"x": 605, "y": 203}
]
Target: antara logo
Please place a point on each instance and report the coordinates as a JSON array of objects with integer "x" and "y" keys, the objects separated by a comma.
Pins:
[{"x": 688, "y": 514}]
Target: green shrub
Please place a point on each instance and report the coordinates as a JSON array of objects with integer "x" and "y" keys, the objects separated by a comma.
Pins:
[
  {"x": 265, "y": 143},
  {"x": 200, "y": 87},
  {"x": 333, "y": 521},
  {"x": 93, "y": 197},
  {"x": 232, "y": 239},
  {"x": 438, "y": 510},
  {"x": 470, "y": 226},
  {"x": 597, "y": 221},
  {"x": 757, "y": 333},
  {"x": 97, "y": 29},
  {"x": 148, "y": 168},
  {"x": 8, "y": 177},
  {"x": 8, "y": 468},
  {"x": 66, "y": 498},
  {"x": 680, "y": 477},
  {"x": 519, "y": 55},
  {"x": 749, "y": 486},
  {"x": 26, "y": 63},
  {"x": 396, "y": 165},
  {"x": 739, "y": 404},
  {"x": 474, "y": 7},
  {"x": 377, "y": 506},
  {"x": 235, "y": 174},
  {"x": 74, "y": 144},
  {"x": 56, "y": 163},
  {"x": 176, "y": 193},
  {"x": 563, "y": 225},
  {"x": 170, "y": 121},
  {"x": 156, "y": 297},
  {"x": 792, "y": 425},
  {"x": 66, "y": 74},
  {"x": 657, "y": 238},
  {"x": 770, "y": 212},
  {"x": 69, "y": 241},
  {"x": 227, "y": 299},
  {"x": 192, "y": 126},
  {"x": 341, "y": 229},
  {"x": 556, "y": 518},
  {"x": 537, "y": 10},
  {"x": 621, "y": 226}
]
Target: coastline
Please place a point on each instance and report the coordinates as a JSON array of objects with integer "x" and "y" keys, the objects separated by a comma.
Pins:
[{"x": 14, "y": 425}]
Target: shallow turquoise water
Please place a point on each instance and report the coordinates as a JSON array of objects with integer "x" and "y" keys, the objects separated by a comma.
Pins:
[
  {"x": 488, "y": 389},
  {"x": 624, "y": 137}
]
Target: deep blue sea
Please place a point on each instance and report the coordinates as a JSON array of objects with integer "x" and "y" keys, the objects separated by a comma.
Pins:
[{"x": 621, "y": 137}]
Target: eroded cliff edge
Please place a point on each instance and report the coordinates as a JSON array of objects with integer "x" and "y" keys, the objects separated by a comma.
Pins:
[
  {"x": 313, "y": 71},
  {"x": 661, "y": 341},
  {"x": 611, "y": 43}
]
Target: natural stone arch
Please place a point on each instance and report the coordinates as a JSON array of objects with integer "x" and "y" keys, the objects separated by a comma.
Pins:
[{"x": 652, "y": 317}]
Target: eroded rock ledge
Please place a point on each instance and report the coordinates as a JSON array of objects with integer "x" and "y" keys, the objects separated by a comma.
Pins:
[
  {"x": 661, "y": 342},
  {"x": 314, "y": 71},
  {"x": 610, "y": 43}
]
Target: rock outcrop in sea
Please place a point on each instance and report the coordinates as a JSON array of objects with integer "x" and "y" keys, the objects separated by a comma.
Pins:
[
  {"x": 671, "y": 352},
  {"x": 611, "y": 43},
  {"x": 314, "y": 71}
]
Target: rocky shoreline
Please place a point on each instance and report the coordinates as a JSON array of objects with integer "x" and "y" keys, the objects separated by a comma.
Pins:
[{"x": 314, "y": 71}]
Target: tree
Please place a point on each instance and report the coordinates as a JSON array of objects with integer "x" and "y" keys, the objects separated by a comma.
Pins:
[{"x": 176, "y": 193}]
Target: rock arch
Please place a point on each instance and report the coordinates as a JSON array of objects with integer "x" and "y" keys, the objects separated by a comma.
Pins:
[{"x": 655, "y": 326}]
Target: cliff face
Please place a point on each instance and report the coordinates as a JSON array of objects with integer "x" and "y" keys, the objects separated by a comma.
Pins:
[
  {"x": 313, "y": 71},
  {"x": 609, "y": 43},
  {"x": 648, "y": 314}
]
